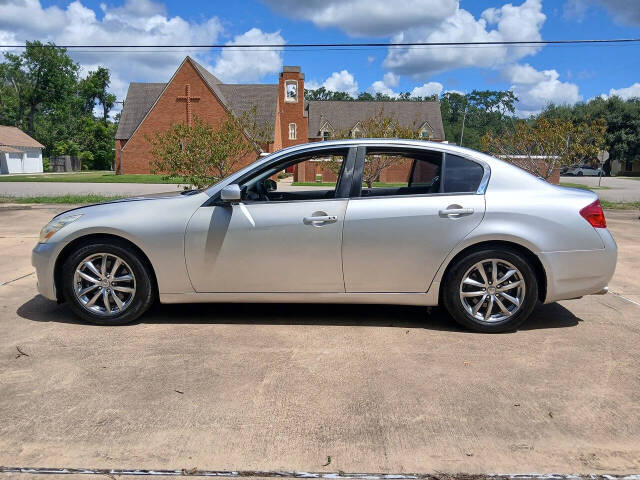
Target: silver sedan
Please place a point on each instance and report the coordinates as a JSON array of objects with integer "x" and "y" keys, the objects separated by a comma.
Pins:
[{"x": 378, "y": 222}]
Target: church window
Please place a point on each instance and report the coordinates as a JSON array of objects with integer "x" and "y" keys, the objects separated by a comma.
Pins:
[
  {"x": 291, "y": 91},
  {"x": 293, "y": 131}
]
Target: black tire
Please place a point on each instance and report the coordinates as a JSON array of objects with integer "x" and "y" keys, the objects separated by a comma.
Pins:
[
  {"x": 143, "y": 297},
  {"x": 580, "y": 174},
  {"x": 452, "y": 285}
]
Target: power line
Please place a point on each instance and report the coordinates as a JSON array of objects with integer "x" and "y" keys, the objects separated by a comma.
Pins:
[{"x": 352, "y": 45}]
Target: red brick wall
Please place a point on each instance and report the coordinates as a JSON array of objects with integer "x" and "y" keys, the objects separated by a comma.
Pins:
[
  {"x": 311, "y": 168},
  {"x": 398, "y": 172},
  {"x": 306, "y": 172},
  {"x": 555, "y": 175},
  {"x": 290, "y": 112},
  {"x": 136, "y": 154}
]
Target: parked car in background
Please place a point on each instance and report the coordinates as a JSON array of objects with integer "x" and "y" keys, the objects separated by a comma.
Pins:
[
  {"x": 583, "y": 170},
  {"x": 480, "y": 237}
]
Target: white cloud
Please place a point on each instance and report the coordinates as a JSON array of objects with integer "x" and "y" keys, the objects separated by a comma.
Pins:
[
  {"x": 427, "y": 90},
  {"x": 379, "y": 87},
  {"x": 385, "y": 86},
  {"x": 507, "y": 23},
  {"x": 372, "y": 18},
  {"x": 624, "y": 11},
  {"x": 625, "y": 93},
  {"x": 536, "y": 89},
  {"x": 249, "y": 65},
  {"x": 391, "y": 79},
  {"x": 136, "y": 22},
  {"x": 341, "y": 81}
]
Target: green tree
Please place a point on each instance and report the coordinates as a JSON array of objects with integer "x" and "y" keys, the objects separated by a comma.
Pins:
[
  {"x": 94, "y": 90},
  {"x": 41, "y": 93},
  {"x": 324, "y": 94},
  {"x": 622, "y": 118},
  {"x": 542, "y": 147},
  {"x": 379, "y": 125},
  {"x": 480, "y": 112},
  {"x": 202, "y": 154},
  {"x": 39, "y": 80}
]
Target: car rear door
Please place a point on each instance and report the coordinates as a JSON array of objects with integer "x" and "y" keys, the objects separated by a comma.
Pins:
[{"x": 395, "y": 240}]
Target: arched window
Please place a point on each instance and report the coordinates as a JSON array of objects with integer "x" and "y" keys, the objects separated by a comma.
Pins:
[{"x": 293, "y": 133}]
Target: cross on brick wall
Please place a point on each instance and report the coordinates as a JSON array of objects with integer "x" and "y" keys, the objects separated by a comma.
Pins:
[{"x": 187, "y": 98}]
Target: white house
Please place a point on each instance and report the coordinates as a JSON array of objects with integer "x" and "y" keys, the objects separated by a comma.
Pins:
[{"x": 19, "y": 153}]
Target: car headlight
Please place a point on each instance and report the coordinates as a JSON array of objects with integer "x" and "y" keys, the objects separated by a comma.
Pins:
[{"x": 56, "y": 224}]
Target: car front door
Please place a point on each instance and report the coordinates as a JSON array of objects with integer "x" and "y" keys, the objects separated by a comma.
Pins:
[
  {"x": 398, "y": 232},
  {"x": 286, "y": 239}
]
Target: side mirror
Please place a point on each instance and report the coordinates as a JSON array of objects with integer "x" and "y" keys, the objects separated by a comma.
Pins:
[
  {"x": 270, "y": 185},
  {"x": 231, "y": 193}
]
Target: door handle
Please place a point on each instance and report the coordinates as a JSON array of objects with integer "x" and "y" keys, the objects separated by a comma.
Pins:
[
  {"x": 457, "y": 212},
  {"x": 320, "y": 220}
]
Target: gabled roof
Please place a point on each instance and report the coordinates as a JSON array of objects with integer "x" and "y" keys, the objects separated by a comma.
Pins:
[
  {"x": 343, "y": 115},
  {"x": 140, "y": 98},
  {"x": 14, "y": 137},
  {"x": 6, "y": 149},
  {"x": 242, "y": 98},
  {"x": 210, "y": 79},
  {"x": 237, "y": 98}
]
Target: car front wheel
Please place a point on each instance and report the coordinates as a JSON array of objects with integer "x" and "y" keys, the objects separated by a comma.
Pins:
[
  {"x": 107, "y": 284},
  {"x": 491, "y": 290}
]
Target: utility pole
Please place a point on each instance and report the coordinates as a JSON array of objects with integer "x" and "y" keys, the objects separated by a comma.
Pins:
[{"x": 464, "y": 117}]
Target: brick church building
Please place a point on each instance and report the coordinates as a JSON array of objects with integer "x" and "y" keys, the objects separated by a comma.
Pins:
[{"x": 193, "y": 90}]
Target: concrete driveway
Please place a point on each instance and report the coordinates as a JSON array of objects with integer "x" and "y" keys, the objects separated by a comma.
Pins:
[
  {"x": 273, "y": 387},
  {"x": 616, "y": 189}
]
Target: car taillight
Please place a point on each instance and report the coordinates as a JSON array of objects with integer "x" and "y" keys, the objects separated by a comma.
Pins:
[{"x": 593, "y": 214}]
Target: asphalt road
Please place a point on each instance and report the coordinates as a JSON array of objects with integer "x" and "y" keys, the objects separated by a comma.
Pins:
[
  {"x": 388, "y": 389},
  {"x": 616, "y": 189}
]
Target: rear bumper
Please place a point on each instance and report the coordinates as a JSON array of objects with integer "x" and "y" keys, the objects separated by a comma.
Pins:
[
  {"x": 580, "y": 272},
  {"x": 43, "y": 259}
]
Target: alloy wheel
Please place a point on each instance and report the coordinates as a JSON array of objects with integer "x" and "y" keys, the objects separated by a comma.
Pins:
[
  {"x": 492, "y": 290},
  {"x": 104, "y": 284}
]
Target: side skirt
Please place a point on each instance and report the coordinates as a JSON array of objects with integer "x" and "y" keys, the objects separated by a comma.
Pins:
[{"x": 419, "y": 299}]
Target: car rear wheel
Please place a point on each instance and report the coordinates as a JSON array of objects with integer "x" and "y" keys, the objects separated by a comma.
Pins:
[
  {"x": 107, "y": 284},
  {"x": 491, "y": 290}
]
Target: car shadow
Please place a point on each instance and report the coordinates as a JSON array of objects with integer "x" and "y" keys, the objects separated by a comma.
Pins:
[{"x": 554, "y": 315}]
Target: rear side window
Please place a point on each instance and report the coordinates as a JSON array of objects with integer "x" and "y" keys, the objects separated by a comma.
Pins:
[
  {"x": 406, "y": 172},
  {"x": 461, "y": 175}
]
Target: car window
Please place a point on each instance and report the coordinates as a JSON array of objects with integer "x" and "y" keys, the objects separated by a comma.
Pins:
[
  {"x": 388, "y": 173},
  {"x": 309, "y": 177},
  {"x": 461, "y": 175}
]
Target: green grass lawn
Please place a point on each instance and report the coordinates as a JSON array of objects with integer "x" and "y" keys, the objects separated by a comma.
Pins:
[
  {"x": 88, "y": 177},
  {"x": 68, "y": 199},
  {"x": 584, "y": 187},
  {"x": 619, "y": 205}
]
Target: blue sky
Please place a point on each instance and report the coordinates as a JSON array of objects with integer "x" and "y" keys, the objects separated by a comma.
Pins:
[{"x": 560, "y": 74}]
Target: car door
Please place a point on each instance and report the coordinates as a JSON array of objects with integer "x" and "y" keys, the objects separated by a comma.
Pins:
[
  {"x": 396, "y": 235},
  {"x": 289, "y": 241}
]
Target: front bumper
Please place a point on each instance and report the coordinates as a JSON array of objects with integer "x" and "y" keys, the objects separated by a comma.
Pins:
[{"x": 43, "y": 258}]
